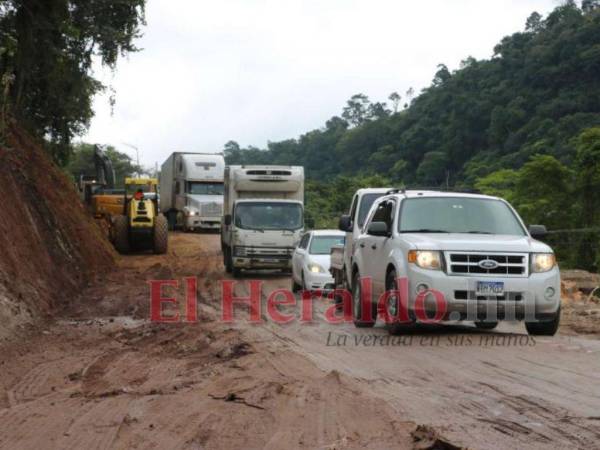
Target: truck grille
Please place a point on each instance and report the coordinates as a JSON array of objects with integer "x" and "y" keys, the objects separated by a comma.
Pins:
[
  {"x": 275, "y": 253},
  {"x": 474, "y": 264},
  {"x": 211, "y": 210}
]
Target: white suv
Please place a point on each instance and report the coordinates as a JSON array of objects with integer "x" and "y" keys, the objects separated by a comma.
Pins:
[{"x": 473, "y": 250}]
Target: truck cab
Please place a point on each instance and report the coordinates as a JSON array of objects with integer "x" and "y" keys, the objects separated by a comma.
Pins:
[
  {"x": 263, "y": 217},
  {"x": 192, "y": 188}
]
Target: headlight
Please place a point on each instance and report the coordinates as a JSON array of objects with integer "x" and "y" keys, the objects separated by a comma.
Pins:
[
  {"x": 315, "y": 268},
  {"x": 425, "y": 259},
  {"x": 239, "y": 251},
  {"x": 191, "y": 213},
  {"x": 542, "y": 262}
]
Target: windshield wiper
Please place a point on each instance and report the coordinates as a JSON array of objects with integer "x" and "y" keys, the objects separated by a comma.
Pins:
[
  {"x": 254, "y": 229},
  {"x": 424, "y": 230},
  {"x": 479, "y": 232}
]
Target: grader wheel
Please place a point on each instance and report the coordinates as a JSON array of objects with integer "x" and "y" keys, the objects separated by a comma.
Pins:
[
  {"x": 161, "y": 235},
  {"x": 121, "y": 234}
]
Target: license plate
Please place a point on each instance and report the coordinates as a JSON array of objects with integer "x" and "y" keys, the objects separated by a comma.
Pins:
[{"x": 490, "y": 288}]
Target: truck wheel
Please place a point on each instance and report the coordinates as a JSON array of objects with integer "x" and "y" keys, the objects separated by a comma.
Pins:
[
  {"x": 227, "y": 262},
  {"x": 121, "y": 234},
  {"x": 357, "y": 306},
  {"x": 172, "y": 218},
  {"x": 548, "y": 328},
  {"x": 486, "y": 325},
  {"x": 161, "y": 235},
  {"x": 394, "y": 328}
]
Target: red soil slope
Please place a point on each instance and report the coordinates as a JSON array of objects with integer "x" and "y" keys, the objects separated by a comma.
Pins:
[{"x": 49, "y": 246}]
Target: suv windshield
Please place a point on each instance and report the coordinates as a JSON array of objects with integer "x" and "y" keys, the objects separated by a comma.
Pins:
[
  {"x": 321, "y": 245},
  {"x": 269, "y": 216},
  {"x": 203, "y": 188},
  {"x": 458, "y": 215}
]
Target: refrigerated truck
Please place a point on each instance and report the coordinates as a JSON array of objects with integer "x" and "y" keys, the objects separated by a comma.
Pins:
[
  {"x": 191, "y": 190},
  {"x": 263, "y": 217}
]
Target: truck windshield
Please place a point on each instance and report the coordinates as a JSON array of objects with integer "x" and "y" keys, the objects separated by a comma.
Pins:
[
  {"x": 269, "y": 216},
  {"x": 205, "y": 188},
  {"x": 365, "y": 206},
  {"x": 321, "y": 245},
  {"x": 458, "y": 215}
]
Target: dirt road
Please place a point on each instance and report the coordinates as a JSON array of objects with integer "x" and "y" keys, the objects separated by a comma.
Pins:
[{"x": 102, "y": 376}]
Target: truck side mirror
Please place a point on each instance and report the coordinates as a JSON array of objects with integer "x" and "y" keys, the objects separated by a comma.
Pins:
[
  {"x": 345, "y": 223},
  {"x": 378, "y": 229},
  {"x": 227, "y": 219},
  {"x": 538, "y": 231}
]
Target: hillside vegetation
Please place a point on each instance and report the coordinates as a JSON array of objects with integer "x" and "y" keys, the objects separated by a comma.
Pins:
[{"x": 523, "y": 124}]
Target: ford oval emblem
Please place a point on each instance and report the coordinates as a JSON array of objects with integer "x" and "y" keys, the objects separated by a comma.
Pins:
[{"x": 488, "y": 264}]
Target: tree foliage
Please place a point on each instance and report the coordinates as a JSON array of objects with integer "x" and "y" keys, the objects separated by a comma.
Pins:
[
  {"x": 517, "y": 125},
  {"x": 46, "y": 52}
]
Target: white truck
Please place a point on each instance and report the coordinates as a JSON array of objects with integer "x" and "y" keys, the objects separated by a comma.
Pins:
[
  {"x": 191, "y": 190},
  {"x": 351, "y": 224},
  {"x": 263, "y": 217},
  {"x": 451, "y": 256}
]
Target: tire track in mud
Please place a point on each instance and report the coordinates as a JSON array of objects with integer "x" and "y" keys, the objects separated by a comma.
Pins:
[{"x": 487, "y": 398}]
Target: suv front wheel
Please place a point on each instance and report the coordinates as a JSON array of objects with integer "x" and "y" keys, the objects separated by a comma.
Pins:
[
  {"x": 357, "y": 306},
  {"x": 545, "y": 328}
]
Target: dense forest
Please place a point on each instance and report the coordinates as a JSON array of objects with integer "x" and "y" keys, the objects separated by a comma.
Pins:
[
  {"x": 524, "y": 124},
  {"x": 47, "y": 49}
]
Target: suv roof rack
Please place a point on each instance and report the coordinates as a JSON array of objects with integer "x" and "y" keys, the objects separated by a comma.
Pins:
[{"x": 403, "y": 190}]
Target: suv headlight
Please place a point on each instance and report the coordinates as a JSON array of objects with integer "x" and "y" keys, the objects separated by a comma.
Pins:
[
  {"x": 542, "y": 262},
  {"x": 426, "y": 259},
  {"x": 315, "y": 268}
]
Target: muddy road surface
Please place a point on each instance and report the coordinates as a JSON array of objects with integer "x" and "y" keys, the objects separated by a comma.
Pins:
[{"x": 102, "y": 375}]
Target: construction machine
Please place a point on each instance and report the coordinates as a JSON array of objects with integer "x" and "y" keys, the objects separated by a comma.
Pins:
[
  {"x": 98, "y": 191},
  {"x": 140, "y": 226}
]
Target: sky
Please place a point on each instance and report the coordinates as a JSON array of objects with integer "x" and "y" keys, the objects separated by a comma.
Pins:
[{"x": 255, "y": 71}]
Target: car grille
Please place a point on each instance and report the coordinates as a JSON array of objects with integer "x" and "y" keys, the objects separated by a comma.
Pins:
[
  {"x": 507, "y": 265},
  {"x": 211, "y": 209}
]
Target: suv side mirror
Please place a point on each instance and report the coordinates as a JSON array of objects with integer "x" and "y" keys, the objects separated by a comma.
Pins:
[
  {"x": 538, "y": 231},
  {"x": 345, "y": 223},
  {"x": 227, "y": 219},
  {"x": 378, "y": 229}
]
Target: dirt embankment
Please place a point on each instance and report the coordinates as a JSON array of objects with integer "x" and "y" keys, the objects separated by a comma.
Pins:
[{"x": 50, "y": 247}]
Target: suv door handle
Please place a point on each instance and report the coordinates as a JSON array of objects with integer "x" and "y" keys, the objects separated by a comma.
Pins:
[{"x": 374, "y": 247}]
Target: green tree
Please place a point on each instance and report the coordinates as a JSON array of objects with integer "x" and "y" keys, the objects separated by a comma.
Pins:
[
  {"x": 543, "y": 192},
  {"x": 46, "y": 53},
  {"x": 433, "y": 168},
  {"x": 587, "y": 145},
  {"x": 357, "y": 110},
  {"x": 501, "y": 183},
  {"x": 395, "y": 98}
]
